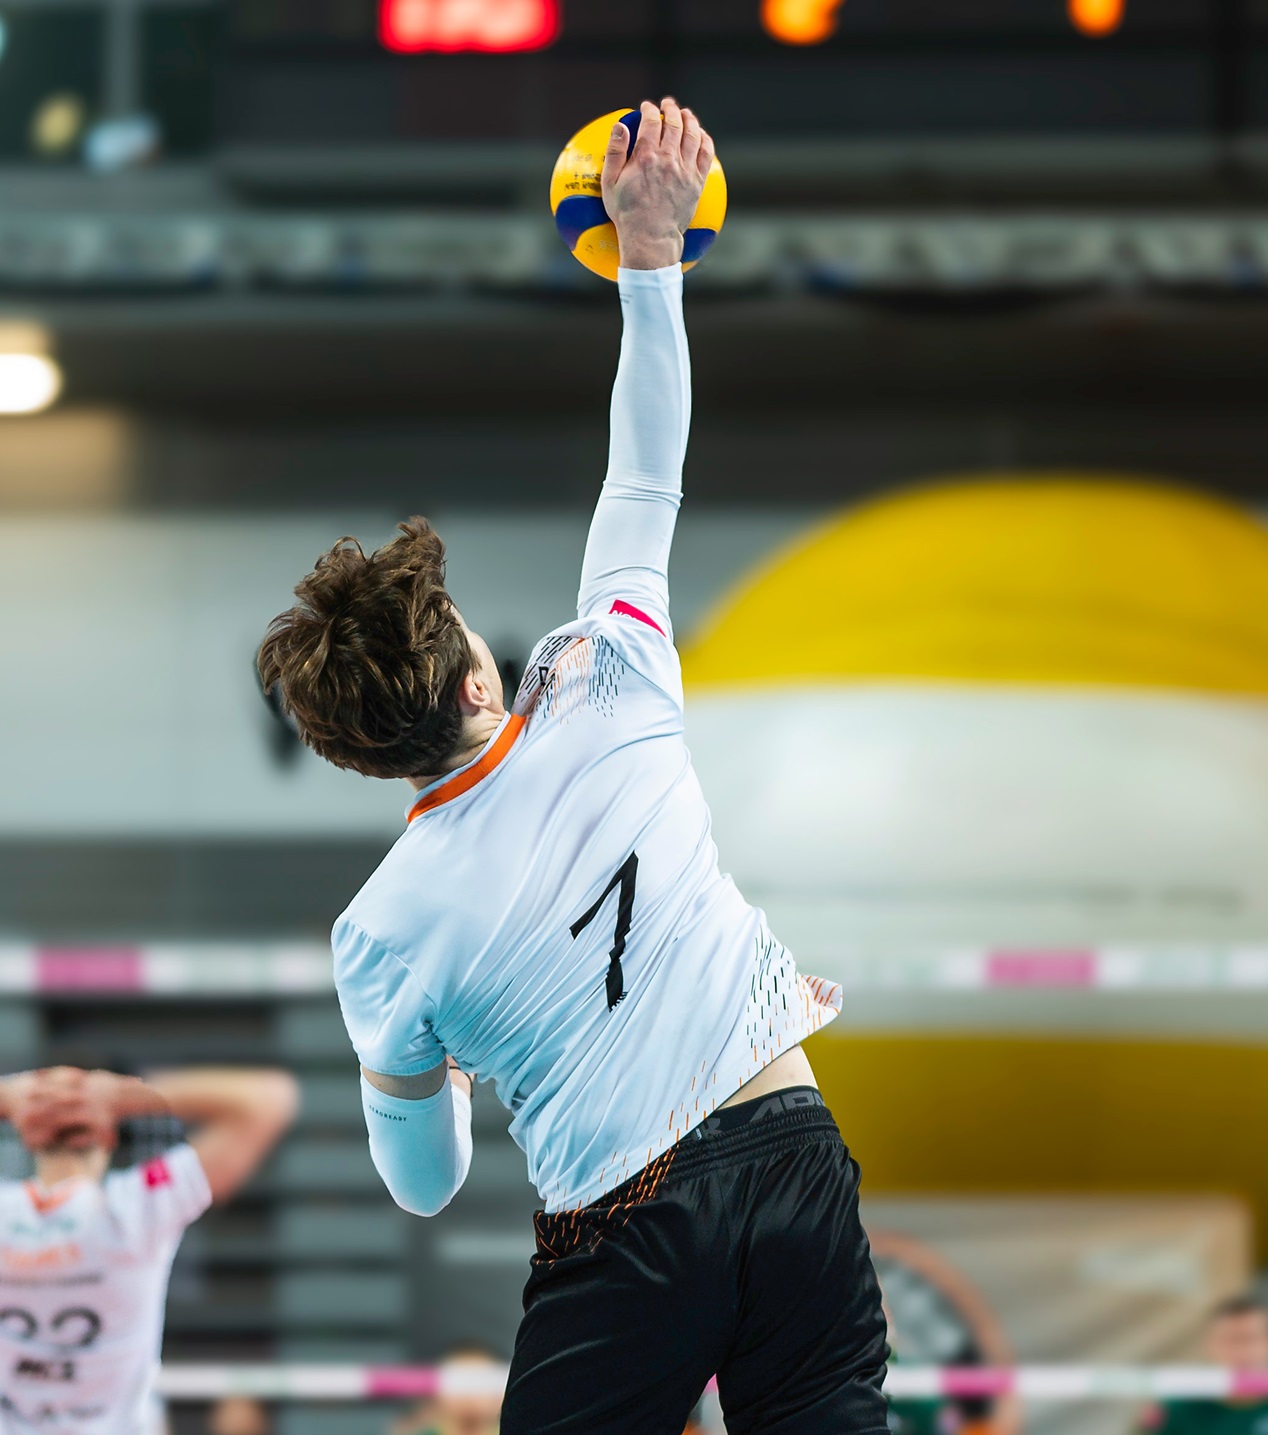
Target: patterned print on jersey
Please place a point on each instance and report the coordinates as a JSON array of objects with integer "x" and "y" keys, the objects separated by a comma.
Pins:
[
  {"x": 568, "y": 673},
  {"x": 564, "y": 1233},
  {"x": 538, "y": 672},
  {"x": 784, "y": 1006}
]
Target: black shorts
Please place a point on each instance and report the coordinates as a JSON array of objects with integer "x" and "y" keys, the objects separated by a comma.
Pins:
[{"x": 738, "y": 1253}]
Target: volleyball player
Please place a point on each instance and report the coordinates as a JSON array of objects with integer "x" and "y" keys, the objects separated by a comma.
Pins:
[
  {"x": 1237, "y": 1339},
  {"x": 85, "y": 1252},
  {"x": 553, "y": 919}
]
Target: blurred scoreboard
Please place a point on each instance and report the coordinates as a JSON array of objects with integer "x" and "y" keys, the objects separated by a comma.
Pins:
[
  {"x": 247, "y": 73},
  {"x": 317, "y": 70}
]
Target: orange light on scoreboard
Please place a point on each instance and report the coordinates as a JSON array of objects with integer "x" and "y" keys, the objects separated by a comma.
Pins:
[
  {"x": 800, "y": 22},
  {"x": 1097, "y": 17},
  {"x": 410, "y": 27}
]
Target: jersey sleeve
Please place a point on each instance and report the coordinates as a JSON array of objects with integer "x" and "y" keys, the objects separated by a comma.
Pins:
[
  {"x": 626, "y": 566},
  {"x": 647, "y": 648},
  {"x": 156, "y": 1201},
  {"x": 385, "y": 1009}
]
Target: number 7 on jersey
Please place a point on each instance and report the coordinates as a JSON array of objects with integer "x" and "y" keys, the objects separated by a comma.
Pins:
[{"x": 624, "y": 878}]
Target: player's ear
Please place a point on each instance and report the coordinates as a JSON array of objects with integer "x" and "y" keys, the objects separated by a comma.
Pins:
[{"x": 473, "y": 695}]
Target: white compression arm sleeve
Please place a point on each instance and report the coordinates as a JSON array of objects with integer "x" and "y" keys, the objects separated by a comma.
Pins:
[
  {"x": 422, "y": 1149},
  {"x": 633, "y": 524}
]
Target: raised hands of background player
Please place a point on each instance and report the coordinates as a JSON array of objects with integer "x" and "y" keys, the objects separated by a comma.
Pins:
[
  {"x": 651, "y": 192},
  {"x": 64, "y": 1105},
  {"x": 58, "y": 1104}
]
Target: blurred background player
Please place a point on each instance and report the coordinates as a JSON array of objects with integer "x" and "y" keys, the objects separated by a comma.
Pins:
[
  {"x": 1237, "y": 1339},
  {"x": 239, "y": 1415},
  {"x": 469, "y": 1401},
  {"x": 85, "y": 1252}
]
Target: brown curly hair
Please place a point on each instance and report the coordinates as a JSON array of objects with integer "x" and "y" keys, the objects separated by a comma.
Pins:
[{"x": 370, "y": 659}]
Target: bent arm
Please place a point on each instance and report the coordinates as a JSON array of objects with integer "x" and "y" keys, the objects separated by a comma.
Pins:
[
  {"x": 420, "y": 1135},
  {"x": 237, "y": 1116},
  {"x": 627, "y": 554},
  {"x": 65, "y": 1102}
]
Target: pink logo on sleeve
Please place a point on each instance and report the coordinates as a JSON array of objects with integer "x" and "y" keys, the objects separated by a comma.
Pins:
[
  {"x": 156, "y": 1173},
  {"x": 628, "y": 610}
]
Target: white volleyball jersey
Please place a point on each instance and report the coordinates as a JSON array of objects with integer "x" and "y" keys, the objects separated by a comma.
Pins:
[
  {"x": 553, "y": 917},
  {"x": 83, "y": 1286}
]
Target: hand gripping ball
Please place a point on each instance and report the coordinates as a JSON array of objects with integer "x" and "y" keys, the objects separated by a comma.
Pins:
[{"x": 576, "y": 199}]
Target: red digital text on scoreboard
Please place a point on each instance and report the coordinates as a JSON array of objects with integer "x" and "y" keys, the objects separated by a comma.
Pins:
[
  {"x": 506, "y": 26},
  {"x": 448, "y": 26}
]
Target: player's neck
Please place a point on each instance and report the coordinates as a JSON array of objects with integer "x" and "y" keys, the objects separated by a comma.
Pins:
[
  {"x": 476, "y": 732},
  {"x": 54, "y": 1167}
]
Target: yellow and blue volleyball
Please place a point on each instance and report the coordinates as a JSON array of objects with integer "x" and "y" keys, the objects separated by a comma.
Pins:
[{"x": 576, "y": 200}]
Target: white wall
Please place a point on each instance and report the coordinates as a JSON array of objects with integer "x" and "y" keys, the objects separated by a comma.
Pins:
[{"x": 128, "y": 702}]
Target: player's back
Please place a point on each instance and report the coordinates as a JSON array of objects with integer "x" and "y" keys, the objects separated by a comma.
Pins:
[
  {"x": 84, "y": 1268},
  {"x": 561, "y": 925}
]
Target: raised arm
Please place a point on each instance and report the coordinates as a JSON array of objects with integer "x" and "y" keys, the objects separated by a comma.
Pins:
[
  {"x": 651, "y": 191},
  {"x": 235, "y": 1115}
]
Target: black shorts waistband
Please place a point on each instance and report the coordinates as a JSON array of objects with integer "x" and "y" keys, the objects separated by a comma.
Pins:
[{"x": 767, "y": 1126}]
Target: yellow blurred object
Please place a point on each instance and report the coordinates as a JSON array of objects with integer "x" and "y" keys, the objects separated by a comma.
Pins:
[
  {"x": 57, "y": 124},
  {"x": 1097, "y": 17},
  {"x": 800, "y": 22},
  {"x": 1009, "y": 1115},
  {"x": 1043, "y": 579}
]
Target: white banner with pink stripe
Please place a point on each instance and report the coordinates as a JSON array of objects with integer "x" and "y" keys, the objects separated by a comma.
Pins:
[
  {"x": 1030, "y": 1382},
  {"x": 300, "y": 968}
]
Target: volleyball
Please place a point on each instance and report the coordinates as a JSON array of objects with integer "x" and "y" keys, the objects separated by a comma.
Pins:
[{"x": 576, "y": 200}]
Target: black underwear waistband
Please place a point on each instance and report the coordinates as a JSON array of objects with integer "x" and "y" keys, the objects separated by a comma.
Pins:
[{"x": 762, "y": 1108}]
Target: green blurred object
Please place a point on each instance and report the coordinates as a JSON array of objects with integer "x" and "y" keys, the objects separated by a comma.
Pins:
[
  {"x": 916, "y": 1417},
  {"x": 1209, "y": 1417}
]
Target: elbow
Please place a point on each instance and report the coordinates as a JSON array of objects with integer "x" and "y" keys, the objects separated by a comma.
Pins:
[
  {"x": 421, "y": 1200},
  {"x": 423, "y": 1188},
  {"x": 418, "y": 1205},
  {"x": 283, "y": 1095},
  {"x": 420, "y": 1148}
]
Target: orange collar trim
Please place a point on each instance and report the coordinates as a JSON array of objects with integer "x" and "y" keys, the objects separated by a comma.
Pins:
[
  {"x": 470, "y": 776},
  {"x": 46, "y": 1199}
]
